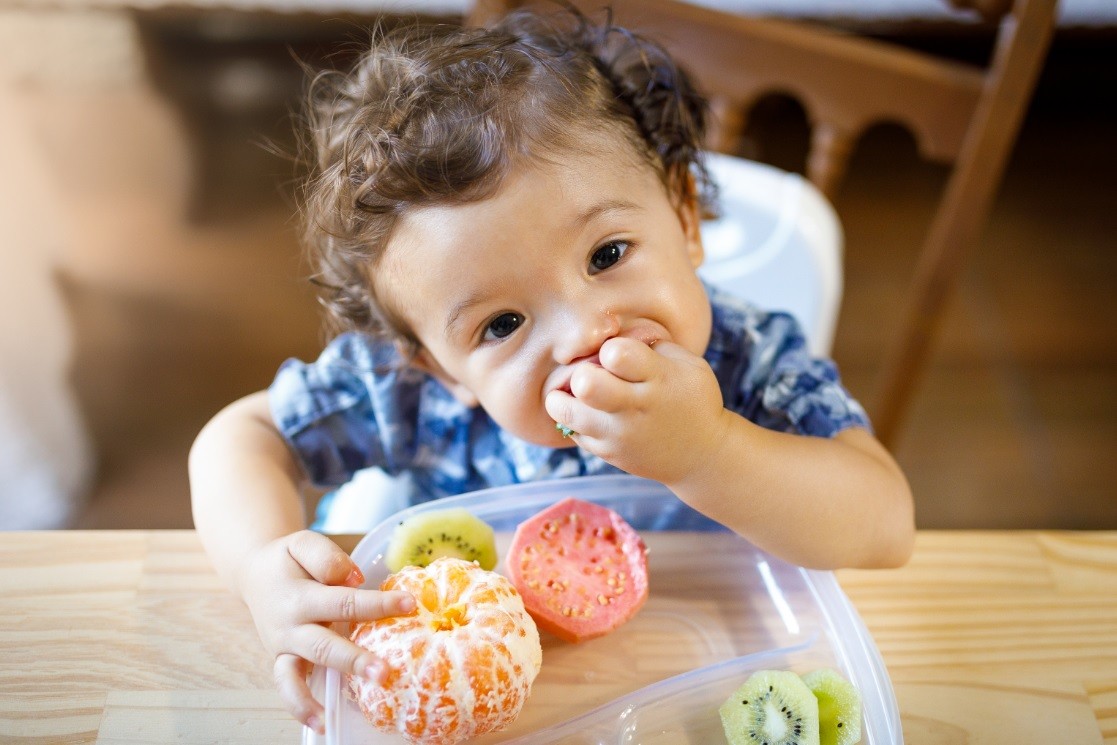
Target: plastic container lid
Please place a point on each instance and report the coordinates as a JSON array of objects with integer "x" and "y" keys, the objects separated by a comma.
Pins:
[{"x": 719, "y": 609}]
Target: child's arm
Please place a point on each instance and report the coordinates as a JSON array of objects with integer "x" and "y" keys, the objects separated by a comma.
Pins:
[
  {"x": 818, "y": 502},
  {"x": 249, "y": 515}
]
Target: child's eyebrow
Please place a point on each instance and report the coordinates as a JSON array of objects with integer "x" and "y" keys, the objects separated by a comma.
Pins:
[
  {"x": 601, "y": 209},
  {"x": 456, "y": 313}
]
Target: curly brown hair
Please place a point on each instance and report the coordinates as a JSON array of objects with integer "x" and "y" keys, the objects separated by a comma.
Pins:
[{"x": 439, "y": 114}]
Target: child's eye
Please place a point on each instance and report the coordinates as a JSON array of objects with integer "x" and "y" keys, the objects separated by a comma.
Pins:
[
  {"x": 607, "y": 255},
  {"x": 503, "y": 325}
]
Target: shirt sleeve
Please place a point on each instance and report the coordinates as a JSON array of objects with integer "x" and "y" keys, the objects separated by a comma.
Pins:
[
  {"x": 782, "y": 387},
  {"x": 354, "y": 407}
]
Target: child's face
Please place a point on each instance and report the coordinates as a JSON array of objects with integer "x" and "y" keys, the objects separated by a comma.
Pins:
[{"x": 508, "y": 295}]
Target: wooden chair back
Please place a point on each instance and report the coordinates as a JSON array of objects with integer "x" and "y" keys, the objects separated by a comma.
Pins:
[{"x": 965, "y": 115}]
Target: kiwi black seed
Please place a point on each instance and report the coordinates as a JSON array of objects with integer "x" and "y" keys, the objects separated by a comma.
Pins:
[
  {"x": 839, "y": 707},
  {"x": 772, "y": 707},
  {"x": 422, "y": 538}
]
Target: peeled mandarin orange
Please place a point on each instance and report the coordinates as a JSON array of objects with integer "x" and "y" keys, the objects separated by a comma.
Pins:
[{"x": 461, "y": 665}]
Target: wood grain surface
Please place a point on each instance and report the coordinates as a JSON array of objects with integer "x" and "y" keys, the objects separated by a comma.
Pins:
[{"x": 129, "y": 637}]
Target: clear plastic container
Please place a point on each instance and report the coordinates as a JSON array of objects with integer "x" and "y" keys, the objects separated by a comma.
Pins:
[{"x": 719, "y": 609}]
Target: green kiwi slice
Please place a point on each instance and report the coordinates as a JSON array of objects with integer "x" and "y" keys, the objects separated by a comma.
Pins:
[
  {"x": 773, "y": 707},
  {"x": 422, "y": 538},
  {"x": 839, "y": 707}
]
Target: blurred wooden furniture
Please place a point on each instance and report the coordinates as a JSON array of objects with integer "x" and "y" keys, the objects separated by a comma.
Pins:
[
  {"x": 129, "y": 636},
  {"x": 960, "y": 114}
]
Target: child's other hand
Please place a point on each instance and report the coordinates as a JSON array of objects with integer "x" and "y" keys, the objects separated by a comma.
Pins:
[
  {"x": 295, "y": 587},
  {"x": 653, "y": 412}
]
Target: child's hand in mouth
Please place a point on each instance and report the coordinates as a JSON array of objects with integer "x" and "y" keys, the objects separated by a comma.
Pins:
[{"x": 624, "y": 402}]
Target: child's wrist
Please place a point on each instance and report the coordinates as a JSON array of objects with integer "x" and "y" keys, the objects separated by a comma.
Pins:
[
  {"x": 245, "y": 573},
  {"x": 702, "y": 453}
]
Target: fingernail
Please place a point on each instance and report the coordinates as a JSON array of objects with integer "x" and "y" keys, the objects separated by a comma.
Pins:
[
  {"x": 406, "y": 604},
  {"x": 375, "y": 671},
  {"x": 355, "y": 578},
  {"x": 315, "y": 724}
]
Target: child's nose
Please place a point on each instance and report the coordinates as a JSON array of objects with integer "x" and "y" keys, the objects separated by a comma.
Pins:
[{"x": 584, "y": 334}]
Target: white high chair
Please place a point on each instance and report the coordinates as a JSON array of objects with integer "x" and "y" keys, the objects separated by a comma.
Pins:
[{"x": 777, "y": 243}]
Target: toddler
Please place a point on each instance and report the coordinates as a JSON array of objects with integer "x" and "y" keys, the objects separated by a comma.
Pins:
[{"x": 505, "y": 224}]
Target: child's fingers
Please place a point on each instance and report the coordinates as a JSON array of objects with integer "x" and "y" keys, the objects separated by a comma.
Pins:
[
  {"x": 323, "y": 603},
  {"x": 575, "y": 414},
  {"x": 323, "y": 559},
  {"x": 559, "y": 406},
  {"x": 600, "y": 389},
  {"x": 321, "y": 646},
  {"x": 673, "y": 351},
  {"x": 628, "y": 359},
  {"x": 290, "y": 681}
]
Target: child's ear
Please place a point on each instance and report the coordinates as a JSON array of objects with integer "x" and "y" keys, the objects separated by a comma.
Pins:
[
  {"x": 428, "y": 364},
  {"x": 690, "y": 216}
]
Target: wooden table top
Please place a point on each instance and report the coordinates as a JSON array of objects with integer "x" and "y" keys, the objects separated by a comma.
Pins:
[{"x": 113, "y": 637}]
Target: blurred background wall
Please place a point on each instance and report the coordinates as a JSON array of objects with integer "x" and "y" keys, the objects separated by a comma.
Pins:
[{"x": 151, "y": 272}]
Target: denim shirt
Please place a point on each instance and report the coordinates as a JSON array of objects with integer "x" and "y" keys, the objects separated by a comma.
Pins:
[{"x": 356, "y": 407}]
